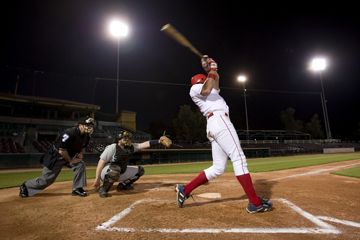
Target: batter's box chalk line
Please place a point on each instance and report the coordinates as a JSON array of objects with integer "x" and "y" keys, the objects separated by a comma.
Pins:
[{"x": 320, "y": 226}]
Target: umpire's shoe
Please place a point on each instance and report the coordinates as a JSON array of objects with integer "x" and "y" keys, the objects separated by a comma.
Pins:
[
  {"x": 79, "y": 192},
  {"x": 265, "y": 206},
  {"x": 180, "y": 195},
  {"x": 23, "y": 191}
]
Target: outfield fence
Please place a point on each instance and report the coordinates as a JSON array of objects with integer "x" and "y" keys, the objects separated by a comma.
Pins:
[{"x": 148, "y": 156}]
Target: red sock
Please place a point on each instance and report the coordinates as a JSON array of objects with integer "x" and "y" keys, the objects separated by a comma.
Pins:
[
  {"x": 246, "y": 183},
  {"x": 199, "y": 180}
]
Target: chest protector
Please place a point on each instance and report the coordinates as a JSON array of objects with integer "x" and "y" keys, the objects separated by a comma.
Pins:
[{"x": 121, "y": 157}]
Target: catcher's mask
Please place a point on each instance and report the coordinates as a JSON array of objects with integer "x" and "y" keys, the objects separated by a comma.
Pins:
[
  {"x": 126, "y": 136},
  {"x": 88, "y": 124},
  {"x": 198, "y": 78}
]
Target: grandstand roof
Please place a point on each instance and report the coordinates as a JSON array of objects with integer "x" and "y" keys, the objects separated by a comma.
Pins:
[{"x": 48, "y": 101}]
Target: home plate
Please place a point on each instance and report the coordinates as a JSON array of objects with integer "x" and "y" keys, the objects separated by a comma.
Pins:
[{"x": 210, "y": 195}]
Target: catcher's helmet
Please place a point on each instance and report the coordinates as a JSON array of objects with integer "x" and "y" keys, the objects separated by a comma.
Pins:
[
  {"x": 123, "y": 134},
  {"x": 198, "y": 78}
]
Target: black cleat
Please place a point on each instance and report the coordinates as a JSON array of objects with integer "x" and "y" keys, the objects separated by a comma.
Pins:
[
  {"x": 79, "y": 192},
  {"x": 180, "y": 195},
  {"x": 23, "y": 191},
  {"x": 124, "y": 187},
  {"x": 265, "y": 206},
  {"x": 103, "y": 193}
]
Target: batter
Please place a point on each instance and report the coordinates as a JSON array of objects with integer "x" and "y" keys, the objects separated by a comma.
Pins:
[{"x": 224, "y": 140}]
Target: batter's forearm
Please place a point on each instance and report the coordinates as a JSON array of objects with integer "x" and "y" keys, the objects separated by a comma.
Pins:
[
  {"x": 214, "y": 75},
  {"x": 207, "y": 87}
]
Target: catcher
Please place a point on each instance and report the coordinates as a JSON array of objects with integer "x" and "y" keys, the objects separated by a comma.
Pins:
[{"x": 113, "y": 164}]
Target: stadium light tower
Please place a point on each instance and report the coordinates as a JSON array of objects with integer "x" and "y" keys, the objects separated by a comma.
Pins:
[
  {"x": 243, "y": 79},
  {"x": 318, "y": 65},
  {"x": 118, "y": 29}
]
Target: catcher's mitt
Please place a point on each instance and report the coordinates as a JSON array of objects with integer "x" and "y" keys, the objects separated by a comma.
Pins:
[{"x": 165, "y": 141}]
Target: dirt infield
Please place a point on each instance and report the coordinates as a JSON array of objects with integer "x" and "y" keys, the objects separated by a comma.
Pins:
[{"x": 309, "y": 203}]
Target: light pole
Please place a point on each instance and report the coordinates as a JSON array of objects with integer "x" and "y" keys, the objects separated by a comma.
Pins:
[
  {"x": 319, "y": 64},
  {"x": 118, "y": 29},
  {"x": 242, "y": 79}
]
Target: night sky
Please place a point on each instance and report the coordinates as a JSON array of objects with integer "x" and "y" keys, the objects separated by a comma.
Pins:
[{"x": 60, "y": 49}]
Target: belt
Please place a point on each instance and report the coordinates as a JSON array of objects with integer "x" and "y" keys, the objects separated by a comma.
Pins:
[{"x": 210, "y": 114}]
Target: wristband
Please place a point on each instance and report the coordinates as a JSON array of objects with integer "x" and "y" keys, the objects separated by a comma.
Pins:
[
  {"x": 211, "y": 75},
  {"x": 154, "y": 142}
]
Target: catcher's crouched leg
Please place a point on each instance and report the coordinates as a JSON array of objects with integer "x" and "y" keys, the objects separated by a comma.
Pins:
[
  {"x": 128, "y": 183},
  {"x": 111, "y": 176}
]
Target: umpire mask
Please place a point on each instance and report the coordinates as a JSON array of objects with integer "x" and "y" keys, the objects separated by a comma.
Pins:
[
  {"x": 88, "y": 124},
  {"x": 89, "y": 129}
]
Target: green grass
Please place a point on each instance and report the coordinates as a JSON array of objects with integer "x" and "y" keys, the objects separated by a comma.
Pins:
[
  {"x": 12, "y": 179},
  {"x": 350, "y": 172},
  {"x": 281, "y": 163}
]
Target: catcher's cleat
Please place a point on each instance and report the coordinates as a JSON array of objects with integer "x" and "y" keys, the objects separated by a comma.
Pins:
[
  {"x": 23, "y": 191},
  {"x": 79, "y": 192},
  {"x": 265, "y": 206},
  {"x": 103, "y": 193},
  {"x": 124, "y": 187},
  {"x": 180, "y": 195}
]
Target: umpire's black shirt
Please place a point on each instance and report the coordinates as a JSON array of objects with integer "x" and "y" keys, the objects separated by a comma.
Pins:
[{"x": 73, "y": 141}]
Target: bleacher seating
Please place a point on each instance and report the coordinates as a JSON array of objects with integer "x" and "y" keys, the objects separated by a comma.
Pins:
[
  {"x": 19, "y": 147},
  {"x": 33, "y": 137},
  {"x": 38, "y": 146},
  {"x": 8, "y": 145}
]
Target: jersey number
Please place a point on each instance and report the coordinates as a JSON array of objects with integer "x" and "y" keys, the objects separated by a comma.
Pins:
[{"x": 65, "y": 137}]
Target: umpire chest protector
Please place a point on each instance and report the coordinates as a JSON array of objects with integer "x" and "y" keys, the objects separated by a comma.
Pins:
[{"x": 121, "y": 157}]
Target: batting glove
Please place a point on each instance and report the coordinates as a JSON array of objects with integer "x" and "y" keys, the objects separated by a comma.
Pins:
[{"x": 208, "y": 64}]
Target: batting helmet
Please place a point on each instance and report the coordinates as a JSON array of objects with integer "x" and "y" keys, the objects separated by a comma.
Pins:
[{"x": 198, "y": 78}]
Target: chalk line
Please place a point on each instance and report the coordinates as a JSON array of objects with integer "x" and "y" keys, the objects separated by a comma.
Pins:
[
  {"x": 315, "y": 172},
  {"x": 321, "y": 227},
  {"x": 344, "y": 222}
]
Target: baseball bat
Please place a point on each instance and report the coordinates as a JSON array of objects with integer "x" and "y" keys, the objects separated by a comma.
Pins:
[{"x": 172, "y": 32}]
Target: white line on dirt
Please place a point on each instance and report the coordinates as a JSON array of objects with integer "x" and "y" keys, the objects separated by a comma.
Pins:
[
  {"x": 228, "y": 230},
  {"x": 119, "y": 216},
  {"x": 315, "y": 172},
  {"x": 344, "y": 222},
  {"x": 321, "y": 227},
  {"x": 306, "y": 215}
]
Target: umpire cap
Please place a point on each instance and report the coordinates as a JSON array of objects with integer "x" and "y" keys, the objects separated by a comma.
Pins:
[{"x": 87, "y": 121}]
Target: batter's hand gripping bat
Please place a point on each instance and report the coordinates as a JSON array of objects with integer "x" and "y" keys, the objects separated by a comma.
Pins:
[{"x": 172, "y": 32}]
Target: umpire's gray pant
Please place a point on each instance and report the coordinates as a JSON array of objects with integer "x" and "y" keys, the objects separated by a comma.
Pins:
[{"x": 49, "y": 176}]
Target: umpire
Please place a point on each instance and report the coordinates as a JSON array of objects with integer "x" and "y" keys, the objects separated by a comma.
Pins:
[{"x": 67, "y": 151}]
